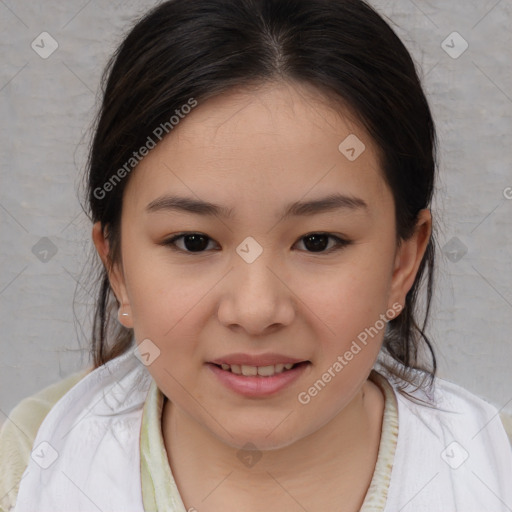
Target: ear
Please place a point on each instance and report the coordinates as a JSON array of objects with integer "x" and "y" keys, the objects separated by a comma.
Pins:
[
  {"x": 115, "y": 274},
  {"x": 408, "y": 258}
]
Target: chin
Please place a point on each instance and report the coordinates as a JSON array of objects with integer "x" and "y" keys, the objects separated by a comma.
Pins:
[{"x": 257, "y": 437}]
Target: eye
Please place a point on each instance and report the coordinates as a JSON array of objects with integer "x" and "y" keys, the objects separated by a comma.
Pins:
[
  {"x": 317, "y": 242},
  {"x": 198, "y": 242},
  {"x": 193, "y": 242}
]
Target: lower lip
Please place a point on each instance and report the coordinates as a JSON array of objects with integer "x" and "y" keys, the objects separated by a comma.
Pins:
[{"x": 258, "y": 386}]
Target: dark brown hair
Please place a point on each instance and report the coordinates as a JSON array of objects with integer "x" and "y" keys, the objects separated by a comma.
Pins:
[{"x": 185, "y": 49}]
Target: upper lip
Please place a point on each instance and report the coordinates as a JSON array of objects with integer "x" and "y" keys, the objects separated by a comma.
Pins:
[{"x": 256, "y": 360}]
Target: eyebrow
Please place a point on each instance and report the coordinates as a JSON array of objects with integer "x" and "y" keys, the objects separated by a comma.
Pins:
[{"x": 295, "y": 209}]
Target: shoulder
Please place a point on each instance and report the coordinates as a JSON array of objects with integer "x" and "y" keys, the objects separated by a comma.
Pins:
[
  {"x": 476, "y": 403},
  {"x": 455, "y": 440},
  {"x": 451, "y": 403},
  {"x": 19, "y": 430},
  {"x": 457, "y": 395}
]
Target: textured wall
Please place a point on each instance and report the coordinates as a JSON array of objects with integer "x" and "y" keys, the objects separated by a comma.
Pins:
[{"x": 47, "y": 105}]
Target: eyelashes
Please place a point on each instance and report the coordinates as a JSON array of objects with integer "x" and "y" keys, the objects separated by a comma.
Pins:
[
  {"x": 196, "y": 239},
  {"x": 196, "y": 243}
]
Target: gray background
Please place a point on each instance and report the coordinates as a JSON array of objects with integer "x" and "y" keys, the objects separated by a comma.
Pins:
[{"x": 46, "y": 108}]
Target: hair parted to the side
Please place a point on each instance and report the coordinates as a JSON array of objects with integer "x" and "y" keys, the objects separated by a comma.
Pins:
[{"x": 184, "y": 49}]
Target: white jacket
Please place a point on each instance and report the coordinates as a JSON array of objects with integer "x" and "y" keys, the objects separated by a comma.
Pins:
[{"x": 86, "y": 455}]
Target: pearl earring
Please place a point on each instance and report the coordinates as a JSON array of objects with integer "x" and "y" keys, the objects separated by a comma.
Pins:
[{"x": 120, "y": 314}]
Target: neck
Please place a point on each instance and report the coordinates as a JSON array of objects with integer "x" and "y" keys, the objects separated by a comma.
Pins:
[{"x": 343, "y": 452}]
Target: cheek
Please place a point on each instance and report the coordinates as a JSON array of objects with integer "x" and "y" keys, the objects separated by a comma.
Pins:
[
  {"x": 168, "y": 310},
  {"x": 164, "y": 299},
  {"x": 350, "y": 305},
  {"x": 350, "y": 298}
]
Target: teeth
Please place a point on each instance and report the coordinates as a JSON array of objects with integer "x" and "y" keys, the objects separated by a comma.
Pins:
[
  {"x": 266, "y": 371},
  {"x": 250, "y": 371},
  {"x": 235, "y": 368}
]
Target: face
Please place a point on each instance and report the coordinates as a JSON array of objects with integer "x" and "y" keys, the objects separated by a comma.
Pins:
[{"x": 260, "y": 283}]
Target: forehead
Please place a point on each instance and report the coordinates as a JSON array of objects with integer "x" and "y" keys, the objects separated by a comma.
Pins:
[
  {"x": 293, "y": 113},
  {"x": 268, "y": 143}
]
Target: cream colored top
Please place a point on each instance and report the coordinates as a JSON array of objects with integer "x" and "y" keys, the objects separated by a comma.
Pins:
[{"x": 159, "y": 488}]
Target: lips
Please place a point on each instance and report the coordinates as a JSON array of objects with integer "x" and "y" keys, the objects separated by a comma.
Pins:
[{"x": 258, "y": 381}]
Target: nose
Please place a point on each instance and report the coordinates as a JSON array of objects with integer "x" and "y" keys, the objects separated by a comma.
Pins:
[{"x": 255, "y": 297}]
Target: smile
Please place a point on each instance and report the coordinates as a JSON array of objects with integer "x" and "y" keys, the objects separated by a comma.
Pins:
[
  {"x": 258, "y": 381},
  {"x": 263, "y": 371}
]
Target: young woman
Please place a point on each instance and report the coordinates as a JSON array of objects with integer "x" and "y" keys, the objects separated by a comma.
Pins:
[{"x": 259, "y": 185}]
